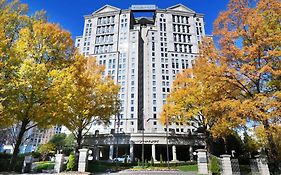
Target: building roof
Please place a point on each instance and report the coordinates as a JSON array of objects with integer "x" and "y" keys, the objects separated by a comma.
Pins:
[{"x": 106, "y": 8}]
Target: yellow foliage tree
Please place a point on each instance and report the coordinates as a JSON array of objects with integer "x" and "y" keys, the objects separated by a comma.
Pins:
[
  {"x": 242, "y": 74},
  {"x": 196, "y": 98},
  {"x": 84, "y": 96},
  {"x": 249, "y": 35},
  {"x": 31, "y": 51}
]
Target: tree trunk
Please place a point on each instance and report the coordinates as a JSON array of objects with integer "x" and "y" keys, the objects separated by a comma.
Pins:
[
  {"x": 17, "y": 145},
  {"x": 271, "y": 151},
  {"x": 209, "y": 142},
  {"x": 225, "y": 144},
  {"x": 79, "y": 146}
]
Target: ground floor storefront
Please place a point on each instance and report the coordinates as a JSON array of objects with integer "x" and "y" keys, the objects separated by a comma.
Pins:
[{"x": 180, "y": 147}]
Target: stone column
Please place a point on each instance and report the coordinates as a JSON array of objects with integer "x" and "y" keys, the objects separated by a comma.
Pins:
[
  {"x": 132, "y": 152},
  {"x": 262, "y": 165},
  {"x": 174, "y": 151},
  {"x": 202, "y": 161},
  {"x": 83, "y": 160},
  {"x": 191, "y": 153},
  {"x": 59, "y": 159},
  {"x": 27, "y": 164},
  {"x": 153, "y": 153},
  {"x": 111, "y": 148},
  {"x": 226, "y": 165},
  {"x": 97, "y": 153}
]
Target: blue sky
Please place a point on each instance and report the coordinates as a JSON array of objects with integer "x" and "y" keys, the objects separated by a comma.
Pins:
[{"x": 69, "y": 13}]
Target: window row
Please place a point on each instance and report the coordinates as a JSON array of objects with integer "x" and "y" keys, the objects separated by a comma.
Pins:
[
  {"x": 105, "y": 29},
  {"x": 104, "y": 39},
  {"x": 182, "y": 38},
  {"x": 181, "y": 28},
  {"x": 183, "y": 48},
  {"x": 103, "y": 49},
  {"x": 180, "y": 19},
  {"x": 105, "y": 20}
]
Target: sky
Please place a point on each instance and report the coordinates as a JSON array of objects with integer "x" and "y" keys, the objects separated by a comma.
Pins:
[{"x": 69, "y": 13}]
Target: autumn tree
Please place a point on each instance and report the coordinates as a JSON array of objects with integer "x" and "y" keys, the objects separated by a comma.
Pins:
[
  {"x": 249, "y": 35},
  {"x": 84, "y": 95},
  {"x": 31, "y": 51},
  {"x": 196, "y": 98}
]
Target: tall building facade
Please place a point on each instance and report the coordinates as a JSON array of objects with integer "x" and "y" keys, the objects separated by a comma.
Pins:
[{"x": 142, "y": 55}]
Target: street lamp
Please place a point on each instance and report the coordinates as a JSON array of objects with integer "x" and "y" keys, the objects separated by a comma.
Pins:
[
  {"x": 142, "y": 147},
  {"x": 118, "y": 125},
  {"x": 167, "y": 143}
]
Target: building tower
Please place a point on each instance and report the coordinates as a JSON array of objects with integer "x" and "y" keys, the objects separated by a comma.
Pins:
[{"x": 143, "y": 55}]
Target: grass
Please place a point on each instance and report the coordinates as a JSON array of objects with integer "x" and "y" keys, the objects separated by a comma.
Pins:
[
  {"x": 98, "y": 167},
  {"x": 181, "y": 168},
  {"x": 187, "y": 168}
]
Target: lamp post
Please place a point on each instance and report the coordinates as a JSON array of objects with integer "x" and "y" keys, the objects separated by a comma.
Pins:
[
  {"x": 142, "y": 147},
  {"x": 167, "y": 143},
  {"x": 118, "y": 124}
]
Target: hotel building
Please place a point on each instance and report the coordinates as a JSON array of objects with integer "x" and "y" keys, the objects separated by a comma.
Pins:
[{"x": 143, "y": 55}]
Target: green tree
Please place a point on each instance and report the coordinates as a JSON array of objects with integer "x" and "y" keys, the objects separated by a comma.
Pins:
[
  {"x": 46, "y": 149},
  {"x": 58, "y": 140},
  {"x": 250, "y": 145}
]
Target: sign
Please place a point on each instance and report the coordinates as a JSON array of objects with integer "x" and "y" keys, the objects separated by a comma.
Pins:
[
  {"x": 143, "y": 7},
  {"x": 202, "y": 160},
  {"x": 147, "y": 141}
]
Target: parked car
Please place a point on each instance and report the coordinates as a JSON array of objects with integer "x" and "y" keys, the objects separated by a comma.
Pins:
[{"x": 122, "y": 159}]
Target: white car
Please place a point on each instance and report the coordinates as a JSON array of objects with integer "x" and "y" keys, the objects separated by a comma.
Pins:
[{"x": 122, "y": 159}]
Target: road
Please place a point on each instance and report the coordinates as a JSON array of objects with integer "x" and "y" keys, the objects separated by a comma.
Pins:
[{"x": 128, "y": 172}]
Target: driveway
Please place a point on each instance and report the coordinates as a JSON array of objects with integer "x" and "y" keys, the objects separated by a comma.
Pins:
[{"x": 128, "y": 172}]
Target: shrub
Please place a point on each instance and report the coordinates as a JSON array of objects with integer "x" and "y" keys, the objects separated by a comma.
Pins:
[
  {"x": 146, "y": 163},
  {"x": 44, "y": 166},
  {"x": 215, "y": 166},
  {"x": 70, "y": 163},
  {"x": 5, "y": 162}
]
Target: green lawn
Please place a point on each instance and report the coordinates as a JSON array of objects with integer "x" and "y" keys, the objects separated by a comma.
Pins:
[
  {"x": 181, "y": 168},
  {"x": 187, "y": 168}
]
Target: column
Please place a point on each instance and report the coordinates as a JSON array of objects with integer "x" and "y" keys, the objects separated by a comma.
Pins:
[
  {"x": 202, "y": 161},
  {"x": 226, "y": 165},
  {"x": 153, "y": 153},
  {"x": 111, "y": 148},
  {"x": 83, "y": 160},
  {"x": 97, "y": 153},
  {"x": 132, "y": 152},
  {"x": 262, "y": 165},
  {"x": 59, "y": 159},
  {"x": 27, "y": 164},
  {"x": 191, "y": 153},
  {"x": 174, "y": 151}
]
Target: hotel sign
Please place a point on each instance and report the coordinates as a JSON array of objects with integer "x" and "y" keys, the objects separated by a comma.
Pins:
[{"x": 143, "y": 7}]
